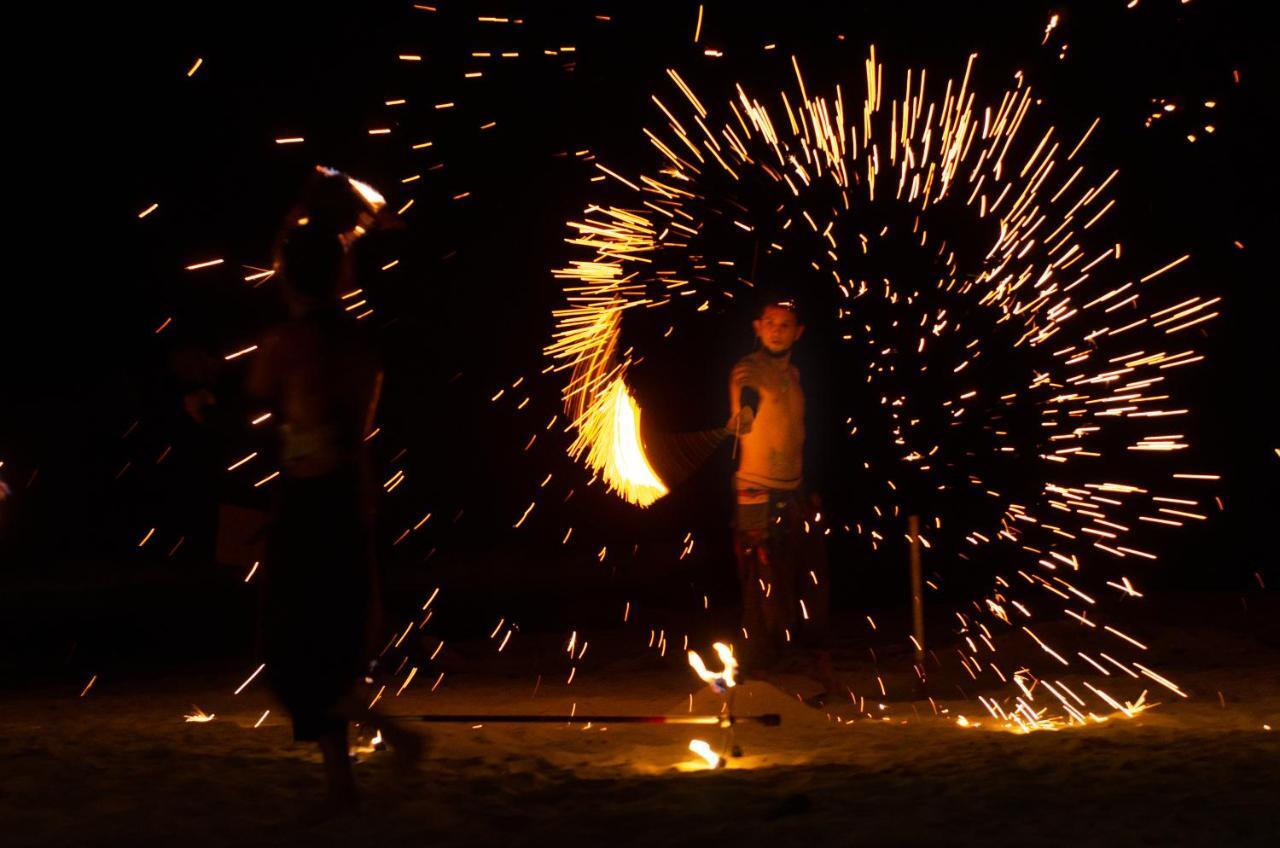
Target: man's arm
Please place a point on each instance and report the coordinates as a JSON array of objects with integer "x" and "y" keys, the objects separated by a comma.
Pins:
[
  {"x": 739, "y": 386},
  {"x": 224, "y": 406}
]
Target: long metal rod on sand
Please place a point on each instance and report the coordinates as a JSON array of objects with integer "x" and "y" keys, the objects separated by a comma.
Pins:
[{"x": 766, "y": 719}]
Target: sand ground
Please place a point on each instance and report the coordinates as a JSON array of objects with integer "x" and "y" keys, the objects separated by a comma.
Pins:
[{"x": 122, "y": 767}]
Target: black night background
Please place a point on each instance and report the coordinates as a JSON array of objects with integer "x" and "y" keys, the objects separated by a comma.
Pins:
[{"x": 118, "y": 566}]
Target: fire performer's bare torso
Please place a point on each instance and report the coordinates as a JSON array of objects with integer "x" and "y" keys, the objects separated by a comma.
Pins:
[
  {"x": 325, "y": 386},
  {"x": 782, "y": 566},
  {"x": 772, "y": 446}
]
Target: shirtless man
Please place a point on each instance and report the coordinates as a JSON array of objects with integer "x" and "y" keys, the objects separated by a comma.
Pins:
[
  {"x": 321, "y": 609},
  {"x": 780, "y": 553}
]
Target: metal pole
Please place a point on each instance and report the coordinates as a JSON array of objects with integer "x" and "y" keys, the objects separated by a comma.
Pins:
[
  {"x": 917, "y": 592},
  {"x": 767, "y": 719}
]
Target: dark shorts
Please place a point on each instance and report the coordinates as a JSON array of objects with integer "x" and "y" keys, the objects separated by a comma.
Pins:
[
  {"x": 782, "y": 570},
  {"x": 317, "y": 581}
]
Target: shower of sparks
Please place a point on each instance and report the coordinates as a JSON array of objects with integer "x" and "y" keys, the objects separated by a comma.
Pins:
[
  {"x": 1023, "y": 719},
  {"x": 655, "y": 251},
  {"x": 1055, "y": 364}
]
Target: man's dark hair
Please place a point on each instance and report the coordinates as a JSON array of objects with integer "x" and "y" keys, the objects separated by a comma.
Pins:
[{"x": 780, "y": 300}]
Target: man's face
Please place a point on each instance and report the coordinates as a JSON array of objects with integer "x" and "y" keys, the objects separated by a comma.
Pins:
[{"x": 778, "y": 329}]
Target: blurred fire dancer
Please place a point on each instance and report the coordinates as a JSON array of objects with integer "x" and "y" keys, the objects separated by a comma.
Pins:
[
  {"x": 778, "y": 541},
  {"x": 320, "y": 613},
  {"x": 321, "y": 603}
]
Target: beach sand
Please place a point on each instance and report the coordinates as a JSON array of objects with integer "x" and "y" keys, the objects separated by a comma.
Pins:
[{"x": 121, "y": 766}]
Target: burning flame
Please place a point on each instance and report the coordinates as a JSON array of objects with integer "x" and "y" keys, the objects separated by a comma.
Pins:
[
  {"x": 629, "y": 461},
  {"x": 702, "y": 749},
  {"x": 368, "y": 194},
  {"x": 199, "y": 715},
  {"x": 376, "y": 743},
  {"x": 609, "y": 432},
  {"x": 721, "y": 681}
]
